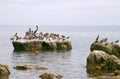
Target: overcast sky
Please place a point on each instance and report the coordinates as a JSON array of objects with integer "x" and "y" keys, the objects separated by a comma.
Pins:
[{"x": 60, "y": 12}]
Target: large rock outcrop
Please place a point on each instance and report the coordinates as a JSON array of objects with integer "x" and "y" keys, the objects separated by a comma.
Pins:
[
  {"x": 99, "y": 63},
  {"x": 104, "y": 59},
  {"x": 103, "y": 45},
  {"x": 40, "y": 41}
]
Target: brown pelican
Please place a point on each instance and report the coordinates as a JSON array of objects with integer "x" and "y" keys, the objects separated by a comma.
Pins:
[
  {"x": 97, "y": 38},
  {"x": 111, "y": 42},
  {"x": 36, "y": 30},
  {"x": 116, "y": 41}
]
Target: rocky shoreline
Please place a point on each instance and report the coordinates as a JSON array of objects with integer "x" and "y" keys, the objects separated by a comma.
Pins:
[{"x": 40, "y": 41}]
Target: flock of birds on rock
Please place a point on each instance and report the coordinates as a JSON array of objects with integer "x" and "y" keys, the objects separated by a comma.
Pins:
[
  {"x": 31, "y": 35},
  {"x": 104, "y": 41}
]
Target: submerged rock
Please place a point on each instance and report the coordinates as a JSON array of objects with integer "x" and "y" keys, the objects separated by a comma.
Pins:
[
  {"x": 40, "y": 41},
  {"x": 25, "y": 67}
]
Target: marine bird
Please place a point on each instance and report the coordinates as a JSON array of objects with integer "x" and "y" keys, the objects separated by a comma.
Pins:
[
  {"x": 106, "y": 43},
  {"x": 116, "y": 41},
  {"x": 97, "y": 38},
  {"x": 111, "y": 42},
  {"x": 29, "y": 29},
  {"x": 102, "y": 41},
  {"x": 68, "y": 37},
  {"x": 105, "y": 39},
  {"x": 15, "y": 34}
]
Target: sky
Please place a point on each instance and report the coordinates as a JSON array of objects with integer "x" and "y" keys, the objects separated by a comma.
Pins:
[{"x": 60, "y": 12}]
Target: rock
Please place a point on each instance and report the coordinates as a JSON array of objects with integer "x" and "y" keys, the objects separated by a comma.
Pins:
[
  {"x": 109, "y": 48},
  {"x": 98, "y": 63},
  {"x": 4, "y": 70},
  {"x": 47, "y": 75},
  {"x": 117, "y": 72},
  {"x": 24, "y": 67},
  {"x": 59, "y": 76},
  {"x": 27, "y": 46},
  {"x": 4, "y": 76},
  {"x": 37, "y": 52}
]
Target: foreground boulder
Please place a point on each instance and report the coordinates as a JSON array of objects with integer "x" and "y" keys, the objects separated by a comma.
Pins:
[
  {"x": 49, "y": 75},
  {"x": 4, "y": 72},
  {"x": 40, "y": 41},
  {"x": 99, "y": 63},
  {"x": 112, "y": 48}
]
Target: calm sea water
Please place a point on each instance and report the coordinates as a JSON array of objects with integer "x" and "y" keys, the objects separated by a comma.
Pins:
[{"x": 71, "y": 64}]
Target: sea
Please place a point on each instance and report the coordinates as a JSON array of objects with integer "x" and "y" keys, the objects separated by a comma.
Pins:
[{"x": 70, "y": 64}]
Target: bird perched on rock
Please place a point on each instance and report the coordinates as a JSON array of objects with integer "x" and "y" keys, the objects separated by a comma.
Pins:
[
  {"x": 97, "y": 38},
  {"x": 106, "y": 43},
  {"x": 102, "y": 40},
  {"x": 105, "y": 40},
  {"x": 111, "y": 42},
  {"x": 116, "y": 41},
  {"x": 68, "y": 37},
  {"x": 15, "y": 34}
]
